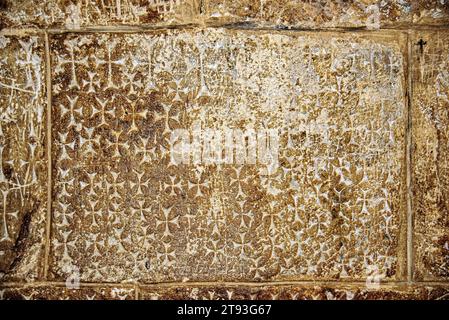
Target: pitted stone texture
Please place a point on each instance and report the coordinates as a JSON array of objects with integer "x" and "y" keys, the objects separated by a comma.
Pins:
[
  {"x": 431, "y": 154},
  {"x": 317, "y": 14},
  {"x": 295, "y": 292},
  {"x": 73, "y": 14},
  {"x": 23, "y": 165},
  {"x": 56, "y": 292},
  {"x": 331, "y": 209},
  {"x": 433, "y": 12}
]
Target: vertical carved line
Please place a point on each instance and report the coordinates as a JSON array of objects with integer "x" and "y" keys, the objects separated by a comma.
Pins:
[
  {"x": 49, "y": 157},
  {"x": 410, "y": 258}
]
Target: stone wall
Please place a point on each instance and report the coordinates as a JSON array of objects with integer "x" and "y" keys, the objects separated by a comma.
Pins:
[{"x": 316, "y": 163}]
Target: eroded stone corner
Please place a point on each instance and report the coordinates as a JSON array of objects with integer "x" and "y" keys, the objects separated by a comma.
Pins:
[{"x": 23, "y": 164}]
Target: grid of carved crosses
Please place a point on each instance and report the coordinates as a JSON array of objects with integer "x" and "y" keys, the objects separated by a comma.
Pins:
[
  {"x": 331, "y": 208},
  {"x": 431, "y": 151},
  {"x": 23, "y": 173}
]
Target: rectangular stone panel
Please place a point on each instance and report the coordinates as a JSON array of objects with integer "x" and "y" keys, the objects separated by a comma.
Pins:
[
  {"x": 315, "y": 14},
  {"x": 73, "y": 14},
  {"x": 23, "y": 164},
  {"x": 61, "y": 292},
  {"x": 295, "y": 292},
  {"x": 431, "y": 154},
  {"x": 427, "y": 12},
  {"x": 328, "y": 109}
]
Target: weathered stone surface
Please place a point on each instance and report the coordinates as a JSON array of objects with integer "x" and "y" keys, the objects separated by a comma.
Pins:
[
  {"x": 431, "y": 154},
  {"x": 23, "y": 165},
  {"x": 75, "y": 14},
  {"x": 430, "y": 12},
  {"x": 315, "y": 14},
  {"x": 57, "y": 292},
  {"x": 329, "y": 14},
  {"x": 332, "y": 208},
  {"x": 295, "y": 292}
]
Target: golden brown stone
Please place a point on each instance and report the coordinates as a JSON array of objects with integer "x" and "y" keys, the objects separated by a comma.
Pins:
[
  {"x": 224, "y": 149},
  {"x": 23, "y": 165},
  {"x": 60, "y": 292},
  {"x": 331, "y": 208},
  {"x": 74, "y": 14},
  {"x": 430, "y": 154},
  {"x": 294, "y": 292}
]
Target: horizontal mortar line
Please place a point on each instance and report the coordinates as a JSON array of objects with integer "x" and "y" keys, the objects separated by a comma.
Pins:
[
  {"x": 231, "y": 26},
  {"x": 212, "y": 283}
]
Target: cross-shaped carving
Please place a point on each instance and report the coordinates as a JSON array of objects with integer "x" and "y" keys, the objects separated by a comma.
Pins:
[
  {"x": 130, "y": 82},
  {"x": 168, "y": 255},
  {"x": 148, "y": 154},
  {"x": 139, "y": 183},
  {"x": 166, "y": 221},
  {"x": 198, "y": 185},
  {"x": 91, "y": 83},
  {"x": 216, "y": 219},
  {"x": 133, "y": 114},
  {"x": 166, "y": 117},
  {"x": 64, "y": 144},
  {"x": 176, "y": 89},
  {"x": 242, "y": 243},
  {"x": 215, "y": 250},
  {"x": 102, "y": 111},
  {"x": 173, "y": 186},
  {"x": 72, "y": 110},
  {"x": 94, "y": 214},
  {"x": 92, "y": 184},
  {"x": 239, "y": 181},
  {"x": 109, "y": 62},
  {"x": 65, "y": 182},
  {"x": 142, "y": 210},
  {"x": 71, "y": 46},
  {"x": 115, "y": 144},
  {"x": 114, "y": 186},
  {"x": 90, "y": 142},
  {"x": 243, "y": 215}
]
